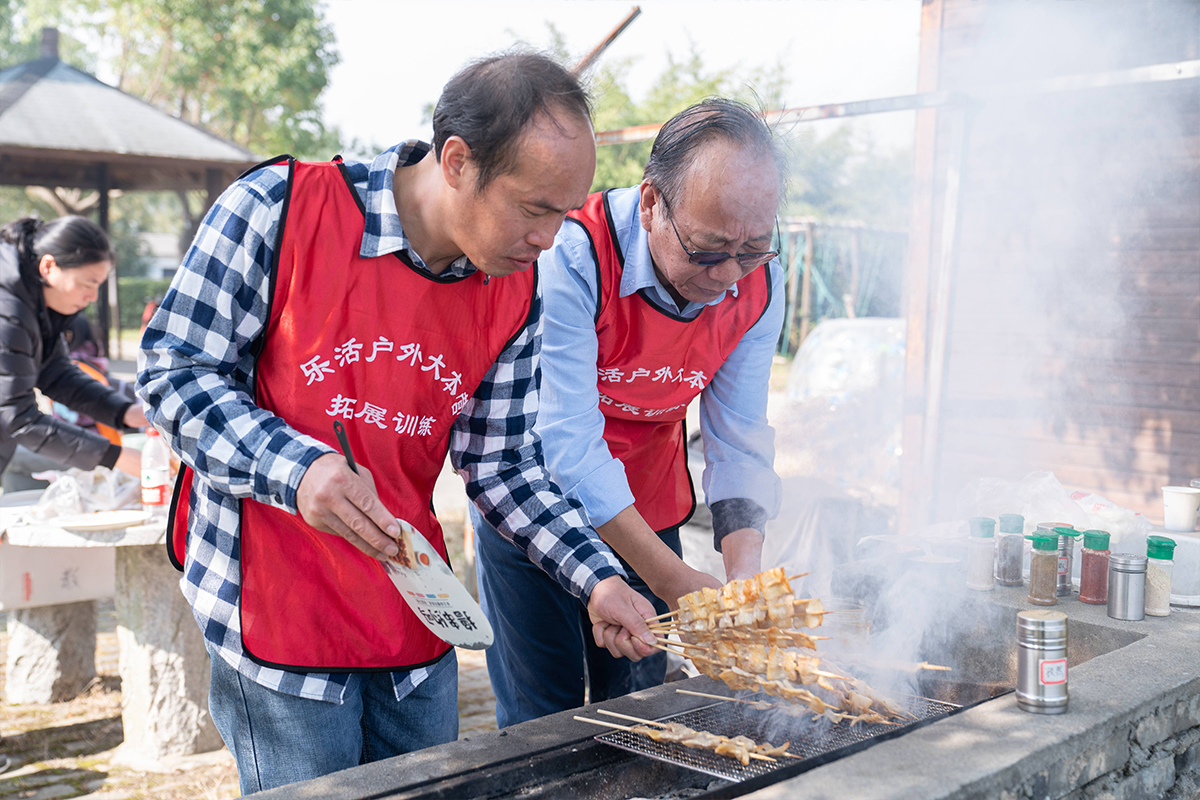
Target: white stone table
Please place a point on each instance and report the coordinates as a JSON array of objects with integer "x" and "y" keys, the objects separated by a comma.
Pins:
[{"x": 163, "y": 664}]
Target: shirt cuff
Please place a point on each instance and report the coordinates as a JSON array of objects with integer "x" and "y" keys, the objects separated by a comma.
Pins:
[
  {"x": 733, "y": 515},
  {"x": 598, "y": 573},
  {"x": 604, "y": 493},
  {"x": 282, "y": 466},
  {"x": 111, "y": 455}
]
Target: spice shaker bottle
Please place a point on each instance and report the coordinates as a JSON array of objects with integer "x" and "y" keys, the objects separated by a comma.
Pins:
[
  {"x": 1127, "y": 586},
  {"x": 981, "y": 554},
  {"x": 1042, "y": 661},
  {"x": 1066, "y": 554},
  {"x": 1093, "y": 568},
  {"x": 1160, "y": 564},
  {"x": 1010, "y": 549},
  {"x": 1043, "y": 570}
]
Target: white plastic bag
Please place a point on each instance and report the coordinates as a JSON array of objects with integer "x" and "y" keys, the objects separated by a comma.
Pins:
[{"x": 78, "y": 491}]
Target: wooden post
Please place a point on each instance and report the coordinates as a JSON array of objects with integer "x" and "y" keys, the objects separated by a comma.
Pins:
[
  {"x": 915, "y": 487},
  {"x": 793, "y": 291},
  {"x": 806, "y": 285}
]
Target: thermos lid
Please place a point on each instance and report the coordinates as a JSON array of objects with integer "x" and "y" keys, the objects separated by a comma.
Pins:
[
  {"x": 983, "y": 527},
  {"x": 1160, "y": 547},
  {"x": 1041, "y": 621},
  {"x": 1012, "y": 523},
  {"x": 1049, "y": 526},
  {"x": 1127, "y": 562},
  {"x": 1095, "y": 540},
  {"x": 1066, "y": 530},
  {"x": 1043, "y": 541}
]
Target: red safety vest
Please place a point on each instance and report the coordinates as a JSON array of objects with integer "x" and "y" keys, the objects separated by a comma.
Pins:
[
  {"x": 651, "y": 364},
  {"x": 394, "y": 354}
]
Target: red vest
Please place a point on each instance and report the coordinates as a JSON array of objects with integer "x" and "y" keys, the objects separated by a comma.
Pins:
[
  {"x": 393, "y": 353},
  {"x": 651, "y": 364}
]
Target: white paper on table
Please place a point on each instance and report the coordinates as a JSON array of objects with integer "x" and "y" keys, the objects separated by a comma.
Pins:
[{"x": 434, "y": 594}]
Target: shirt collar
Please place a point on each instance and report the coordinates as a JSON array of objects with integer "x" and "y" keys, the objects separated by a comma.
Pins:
[{"x": 382, "y": 232}]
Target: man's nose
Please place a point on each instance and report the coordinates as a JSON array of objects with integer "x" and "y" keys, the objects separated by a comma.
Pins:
[{"x": 727, "y": 272}]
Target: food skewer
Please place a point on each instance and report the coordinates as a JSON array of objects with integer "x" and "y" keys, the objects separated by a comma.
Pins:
[
  {"x": 738, "y": 747},
  {"x": 668, "y": 724}
]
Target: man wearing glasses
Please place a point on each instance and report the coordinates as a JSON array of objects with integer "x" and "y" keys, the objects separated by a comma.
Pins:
[{"x": 655, "y": 294}]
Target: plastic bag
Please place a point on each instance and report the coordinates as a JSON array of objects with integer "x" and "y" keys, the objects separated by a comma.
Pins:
[
  {"x": 1039, "y": 497},
  {"x": 78, "y": 491}
]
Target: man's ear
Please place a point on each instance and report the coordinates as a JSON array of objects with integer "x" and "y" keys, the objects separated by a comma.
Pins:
[
  {"x": 456, "y": 165},
  {"x": 649, "y": 197}
]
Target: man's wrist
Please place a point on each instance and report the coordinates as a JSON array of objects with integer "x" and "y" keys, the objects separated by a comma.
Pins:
[{"x": 736, "y": 514}]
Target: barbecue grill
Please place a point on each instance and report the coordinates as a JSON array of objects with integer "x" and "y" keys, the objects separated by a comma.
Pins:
[{"x": 816, "y": 743}]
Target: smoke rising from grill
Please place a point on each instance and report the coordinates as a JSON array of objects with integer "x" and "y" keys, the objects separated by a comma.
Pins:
[{"x": 1071, "y": 336}]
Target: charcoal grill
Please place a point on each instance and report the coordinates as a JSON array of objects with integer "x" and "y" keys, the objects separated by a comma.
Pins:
[{"x": 815, "y": 743}]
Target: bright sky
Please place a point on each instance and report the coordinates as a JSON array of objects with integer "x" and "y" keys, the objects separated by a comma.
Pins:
[{"x": 396, "y": 56}]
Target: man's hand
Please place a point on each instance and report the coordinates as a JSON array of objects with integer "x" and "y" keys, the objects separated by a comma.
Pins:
[
  {"x": 742, "y": 551},
  {"x": 333, "y": 499},
  {"x": 619, "y": 615},
  {"x": 680, "y": 580}
]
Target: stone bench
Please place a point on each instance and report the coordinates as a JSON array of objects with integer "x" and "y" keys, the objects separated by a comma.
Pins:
[{"x": 164, "y": 667}]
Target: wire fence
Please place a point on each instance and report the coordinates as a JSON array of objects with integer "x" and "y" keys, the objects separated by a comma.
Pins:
[{"x": 838, "y": 270}]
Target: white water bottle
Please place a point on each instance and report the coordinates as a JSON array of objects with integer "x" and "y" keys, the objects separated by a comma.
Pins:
[{"x": 156, "y": 477}]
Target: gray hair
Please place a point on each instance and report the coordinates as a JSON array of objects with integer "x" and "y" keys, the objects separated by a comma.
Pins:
[{"x": 683, "y": 135}]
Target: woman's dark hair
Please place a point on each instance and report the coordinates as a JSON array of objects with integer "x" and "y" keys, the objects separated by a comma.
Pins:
[
  {"x": 490, "y": 102},
  {"x": 684, "y": 134},
  {"x": 73, "y": 241}
]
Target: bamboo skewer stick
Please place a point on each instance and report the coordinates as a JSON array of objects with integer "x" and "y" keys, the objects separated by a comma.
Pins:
[
  {"x": 820, "y": 672},
  {"x": 662, "y": 725},
  {"x": 662, "y": 616}
]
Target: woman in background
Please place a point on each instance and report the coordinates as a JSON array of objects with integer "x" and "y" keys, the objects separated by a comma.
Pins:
[{"x": 50, "y": 272}]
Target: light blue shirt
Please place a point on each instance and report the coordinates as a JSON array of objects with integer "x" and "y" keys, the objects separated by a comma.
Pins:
[{"x": 739, "y": 445}]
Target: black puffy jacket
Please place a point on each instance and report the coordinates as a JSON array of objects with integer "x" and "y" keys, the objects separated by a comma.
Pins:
[{"x": 33, "y": 354}]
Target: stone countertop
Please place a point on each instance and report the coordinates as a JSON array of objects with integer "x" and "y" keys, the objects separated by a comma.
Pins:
[
  {"x": 1122, "y": 702},
  {"x": 47, "y": 534},
  {"x": 1128, "y": 708}
]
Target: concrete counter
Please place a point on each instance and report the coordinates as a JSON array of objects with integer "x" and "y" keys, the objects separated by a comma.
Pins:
[{"x": 1132, "y": 730}]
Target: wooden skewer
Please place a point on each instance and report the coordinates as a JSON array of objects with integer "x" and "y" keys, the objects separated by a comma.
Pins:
[
  {"x": 715, "y": 696},
  {"x": 638, "y": 720},
  {"x": 819, "y": 672},
  {"x": 602, "y": 722},
  {"x": 662, "y": 616},
  {"x": 801, "y": 575}
]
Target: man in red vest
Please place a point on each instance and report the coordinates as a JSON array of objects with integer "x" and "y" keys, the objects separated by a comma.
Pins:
[
  {"x": 362, "y": 293},
  {"x": 655, "y": 295}
]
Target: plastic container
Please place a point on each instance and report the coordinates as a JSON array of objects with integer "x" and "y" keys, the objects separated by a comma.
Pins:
[
  {"x": 1043, "y": 570},
  {"x": 1127, "y": 586},
  {"x": 1010, "y": 549},
  {"x": 1042, "y": 662},
  {"x": 981, "y": 554},
  {"x": 1093, "y": 571},
  {"x": 1160, "y": 564},
  {"x": 1066, "y": 554},
  {"x": 156, "y": 477}
]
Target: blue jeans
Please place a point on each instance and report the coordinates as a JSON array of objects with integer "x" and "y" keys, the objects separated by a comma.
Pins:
[
  {"x": 279, "y": 738},
  {"x": 544, "y": 656}
]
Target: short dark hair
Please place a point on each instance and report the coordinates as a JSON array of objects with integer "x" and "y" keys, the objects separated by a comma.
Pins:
[
  {"x": 490, "y": 102},
  {"x": 73, "y": 241},
  {"x": 684, "y": 134}
]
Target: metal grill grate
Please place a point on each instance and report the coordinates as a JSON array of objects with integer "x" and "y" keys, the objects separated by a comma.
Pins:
[{"x": 808, "y": 740}]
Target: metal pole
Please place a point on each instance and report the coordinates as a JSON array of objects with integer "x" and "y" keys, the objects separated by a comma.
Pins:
[{"x": 588, "y": 60}]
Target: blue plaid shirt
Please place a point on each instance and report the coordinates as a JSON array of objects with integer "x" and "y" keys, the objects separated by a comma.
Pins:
[{"x": 198, "y": 381}]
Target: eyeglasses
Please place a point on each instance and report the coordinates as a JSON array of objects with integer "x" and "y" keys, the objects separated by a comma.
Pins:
[{"x": 708, "y": 258}]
